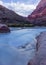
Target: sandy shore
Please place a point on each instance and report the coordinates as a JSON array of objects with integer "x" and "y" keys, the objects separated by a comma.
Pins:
[{"x": 40, "y": 57}]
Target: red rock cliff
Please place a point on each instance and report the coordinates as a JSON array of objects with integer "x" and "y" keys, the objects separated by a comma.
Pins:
[{"x": 39, "y": 12}]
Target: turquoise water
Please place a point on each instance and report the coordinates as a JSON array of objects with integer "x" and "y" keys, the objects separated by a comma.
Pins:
[{"x": 18, "y": 37}]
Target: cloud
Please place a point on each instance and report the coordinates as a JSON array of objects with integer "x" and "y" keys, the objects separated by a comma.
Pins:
[
  {"x": 1, "y": 2},
  {"x": 23, "y": 9}
]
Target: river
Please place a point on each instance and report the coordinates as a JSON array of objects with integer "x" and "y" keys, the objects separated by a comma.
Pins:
[
  {"x": 22, "y": 39},
  {"x": 18, "y": 36}
]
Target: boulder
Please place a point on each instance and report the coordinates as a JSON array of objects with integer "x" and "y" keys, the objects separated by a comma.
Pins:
[{"x": 4, "y": 28}]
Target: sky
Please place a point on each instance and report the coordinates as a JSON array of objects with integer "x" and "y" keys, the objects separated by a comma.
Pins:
[{"x": 21, "y": 7}]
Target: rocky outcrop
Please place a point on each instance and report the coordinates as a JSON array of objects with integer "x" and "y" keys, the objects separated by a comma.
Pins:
[
  {"x": 40, "y": 57},
  {"x": 4, "y": 28},
  {"x": 38, "y": 16}
]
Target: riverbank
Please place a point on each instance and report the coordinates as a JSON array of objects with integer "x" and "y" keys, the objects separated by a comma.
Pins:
[{"x": 40, "y": 57}]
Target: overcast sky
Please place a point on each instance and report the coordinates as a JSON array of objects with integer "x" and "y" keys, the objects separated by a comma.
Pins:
[{"x": 22, "y": 7}]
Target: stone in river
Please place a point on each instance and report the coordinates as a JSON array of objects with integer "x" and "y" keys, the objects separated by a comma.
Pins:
[{"x": 4, "y": 28}]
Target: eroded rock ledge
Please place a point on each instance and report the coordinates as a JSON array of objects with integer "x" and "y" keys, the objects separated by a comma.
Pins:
[{"x": 40, "y": 57}]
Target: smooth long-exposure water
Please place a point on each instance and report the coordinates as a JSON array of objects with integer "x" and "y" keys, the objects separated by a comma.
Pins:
[
  {"x": 20, "y": 37},
  {"x": 11, "y": 52}
]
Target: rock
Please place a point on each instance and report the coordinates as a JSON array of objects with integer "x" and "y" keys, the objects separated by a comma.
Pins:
[
  {"x": 44, "y": 12},
  {"x": 11, "y": 17},
  {"x": 4, "y": 28},
  {"x": 42, "y": 4},
  {"x": 40, "y": 57},
  {"x": 39, "y": 14}
]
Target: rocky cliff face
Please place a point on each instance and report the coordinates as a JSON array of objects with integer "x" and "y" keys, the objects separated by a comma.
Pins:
[
  {"x": 9, "y": 16},
  {"x": 41, "y": 4},
  {"x": 38, "y": 16}
]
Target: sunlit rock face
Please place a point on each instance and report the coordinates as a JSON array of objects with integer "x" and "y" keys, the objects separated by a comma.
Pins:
[{"x": 39, "y": 12}]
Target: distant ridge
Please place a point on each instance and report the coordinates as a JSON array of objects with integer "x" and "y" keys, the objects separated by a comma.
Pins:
[{"x": 9, "y": 16}]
